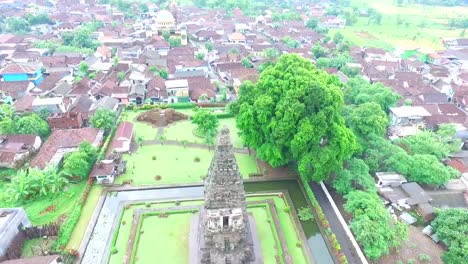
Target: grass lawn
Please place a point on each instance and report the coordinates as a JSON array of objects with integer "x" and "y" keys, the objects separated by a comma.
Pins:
[
  {"x": 32, "y": 247},
  {"x": 143, "y": 130},
  {"x": 422, "y": 26},
  {"x": 172, "y": 232},
  {"x": 164, "y": 239},
  {"x": 63, "y": 202},
  {"x": 182, "y": 130},
  {"x": 86, "y": 214},
  {"x": 247, "y": 164},
  {"x": 175, "y": 164},
  {"x": 266, "y": 234}
]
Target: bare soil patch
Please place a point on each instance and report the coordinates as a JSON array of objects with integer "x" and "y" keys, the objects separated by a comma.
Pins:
[
  {"x": 161, "y": 117},
  {"x": 365, "y": 35},
  {"x": 49, "y": 209},
  {"x": 417, "y": 244}
]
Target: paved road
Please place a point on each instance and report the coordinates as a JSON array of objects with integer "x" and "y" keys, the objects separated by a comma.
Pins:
[{"x": 335, "y": 225}]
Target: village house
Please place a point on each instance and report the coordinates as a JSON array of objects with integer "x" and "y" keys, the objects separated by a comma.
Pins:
[
  {"x": 15, "y": 150},
  {"x": 53, "y": 105},
  {"x": 177, "y": 91},
  {"x": 107, "y": 170},
  {"x": 21, "y": 72},
  {"x": 408, "y": 196},
  {"x": 67, "y": 120},
  {"x": 123, "y": 138},
  {"x": 61, "y": 142},
  {"x": 408, "y": 115}
]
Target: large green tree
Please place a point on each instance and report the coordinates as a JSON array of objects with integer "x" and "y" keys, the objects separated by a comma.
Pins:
[
  {"x": 439, "y": 144},
  {"x": 103, "y": 119},
  {"x": 293, "y": 113},
  {"x": 372, "y": 225},
  {"x": 354, "y": 176},
  {"x": 32, "y": 124},
  {"x": 207, "y": 124},
  {"x": 451, "y": 226},
  {"x": 359, "y": 91},
  {"x": 366, "y": 119}
]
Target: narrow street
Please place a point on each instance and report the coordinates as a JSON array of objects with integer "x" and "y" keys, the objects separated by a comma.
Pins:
[{"x": 335, "y": 225}]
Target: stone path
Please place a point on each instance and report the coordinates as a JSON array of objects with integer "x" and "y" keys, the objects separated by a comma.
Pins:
[
  {"x": 346, "y": 245},
  {"x": 189, "y": 145}
]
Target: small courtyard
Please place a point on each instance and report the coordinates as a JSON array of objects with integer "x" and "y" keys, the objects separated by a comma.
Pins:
[{"x": 172, "y": 228}]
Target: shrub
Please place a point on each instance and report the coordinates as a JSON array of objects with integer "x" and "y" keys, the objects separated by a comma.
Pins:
[
  {"x": 182, "y": 105},
  {"x": 158, "y": 177},
  {"x": 153, "y": 158},
  {"x": 124, "y": 222},
  {"x": 114, "y": 250},
  {"x": 299, "y": 244},
  {"x": 196, "y": 159},
  {"x": 305, "y": 214},
  {"x": 411, "y": 261},
  {"x": 424, "y": 257},
  {"x": 287, "y": 209},
  {"x": 147, "y": 204}
]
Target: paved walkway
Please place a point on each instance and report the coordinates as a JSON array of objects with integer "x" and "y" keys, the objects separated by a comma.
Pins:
[
  {"x": 190, "y": 145},
  {"x": 335, "y": 225}
]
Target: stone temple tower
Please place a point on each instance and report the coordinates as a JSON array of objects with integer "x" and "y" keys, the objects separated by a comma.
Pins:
[{"x": 224, "y": 235}]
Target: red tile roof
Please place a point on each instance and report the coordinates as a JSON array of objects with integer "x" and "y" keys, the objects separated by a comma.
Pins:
[
  {"x": 124, "y": 133},
  {"x": 70, "y": 138}
]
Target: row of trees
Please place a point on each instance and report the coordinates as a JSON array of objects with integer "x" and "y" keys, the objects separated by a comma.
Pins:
[
  {"x": 22, "y": 25},
  {"x": 11, "y": 123}
]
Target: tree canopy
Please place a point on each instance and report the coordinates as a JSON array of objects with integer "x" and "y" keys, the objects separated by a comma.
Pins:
[
  {"x": 359, "y": 91},
  {"x": 293, "y": 113},
  {"x": 103, "y": 119},
  {"x": 451, "y": 227},
  {"x": 207, "y": 124},
  {"x": 32, "y": 124},
  {"x": 79, "y": 163},
  {"x": 355, "y": 176},
  {"x": 366, "y": 119},
  {"x": 372, "y": 225}
]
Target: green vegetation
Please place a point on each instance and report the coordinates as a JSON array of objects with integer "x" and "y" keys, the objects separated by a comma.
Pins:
[
  {"x": 372, "y": 225},
  {"x": 356, "y": 176},
  {"x": 207, "y": 125},
  {"x": 103, "y": 119},
  {"x": 79, "y": 163},
  {"x": 12, "y": 123},
  {"x": 86, "y": 213},
  {"x": 406, "y": 26},
  {"x": 35, "y": 246},
  {"x": 302, "y": 123},
  {"x": 47, "y": 209},
  {"x": 33, "y": 183},
  {"x": 450, "y": 227}
]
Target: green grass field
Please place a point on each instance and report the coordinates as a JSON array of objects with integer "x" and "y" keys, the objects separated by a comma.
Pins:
[
  {"x": 143, "y": 130},
  {"x": 175, "y": 164},
  {"x": 422, "y": 27},
  {"x": 172, "y": 232},
  {"x": 86, "y": 214},
  {"x": 183, "y": 130},
  {"x": 164, "y": 239}
]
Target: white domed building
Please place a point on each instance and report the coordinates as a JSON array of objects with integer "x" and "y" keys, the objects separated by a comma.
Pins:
[{"x": 165, "y": 21}]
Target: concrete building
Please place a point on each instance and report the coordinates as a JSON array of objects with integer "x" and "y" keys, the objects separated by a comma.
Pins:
[
  {"x": 177, "y": 91},
  {"x": 12, "y": 220}
]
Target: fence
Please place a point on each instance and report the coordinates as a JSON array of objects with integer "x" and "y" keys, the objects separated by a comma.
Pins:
[{"x": 14, "y": 250}]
